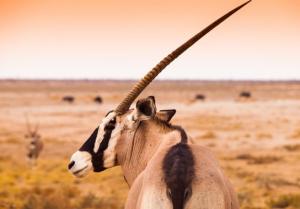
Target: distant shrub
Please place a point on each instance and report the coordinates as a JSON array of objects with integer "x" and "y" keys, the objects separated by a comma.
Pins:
[
  {"x": 31, "y": 202},
  {"x": 43, "y": 201},
  {"x": 70, "y": 191},
  {"x": 66, "y": 197},
  {"x": 285, "y": 201},
  {"x": 244, "y": 157},
  {"x": 258, "y": 159},
  {"x": 264, "y": 160},
  {"x": 292, "y": 148},
  {"x": 88, "y": 201},
  {"x": 56, "y": 201}
]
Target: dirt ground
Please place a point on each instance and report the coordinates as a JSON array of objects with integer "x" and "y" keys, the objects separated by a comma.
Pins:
[{"x": 256, "y": 140}]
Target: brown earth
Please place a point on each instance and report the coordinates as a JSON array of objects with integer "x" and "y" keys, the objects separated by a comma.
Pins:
[{"x": 257, "y": 140}]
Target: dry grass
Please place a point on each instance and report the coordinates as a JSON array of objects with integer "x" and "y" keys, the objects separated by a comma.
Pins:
[
  {"x": 285, "y": 201},
  {"x": 50, "y": 186},
  {"x": 265, "y": 178},
  {"x": 292, "y": 147},
  {"x": 296, "y": 134},
  {"x": 264, "y": 136},
  {"x": 258, "y": 159},
  {"x": 208, "y": 135}
]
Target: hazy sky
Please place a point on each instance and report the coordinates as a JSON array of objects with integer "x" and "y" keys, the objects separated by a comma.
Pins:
[{"x": 124, "y": 39}]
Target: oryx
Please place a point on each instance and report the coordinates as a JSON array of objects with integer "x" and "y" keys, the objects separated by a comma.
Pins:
[
  {"x": 35, "y": 146},
  {"x": 161, "y": 165}
]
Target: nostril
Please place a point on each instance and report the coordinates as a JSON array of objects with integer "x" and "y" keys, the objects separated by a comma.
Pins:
[{"x": 71, "y": 164}]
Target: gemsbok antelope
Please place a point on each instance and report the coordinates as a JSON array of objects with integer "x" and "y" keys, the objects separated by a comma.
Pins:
[
  {"x": 161, "y": 165},
  {"x": 35, "y": 146}
]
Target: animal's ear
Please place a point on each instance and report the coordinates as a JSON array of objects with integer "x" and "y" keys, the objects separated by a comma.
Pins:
[
  {"x": 146, "y": 108},
  {"x": 166, "y": 115}
]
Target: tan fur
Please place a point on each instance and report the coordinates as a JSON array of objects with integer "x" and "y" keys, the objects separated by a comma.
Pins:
[
  {"x": 140, "y": 141},
  {"x": 34, "y": 149},
  {"x": 141, "y": 154},
  {"x": 35, "y": 146}
]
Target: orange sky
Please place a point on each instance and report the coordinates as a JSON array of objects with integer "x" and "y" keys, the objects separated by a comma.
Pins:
[{"x": 123, "y": 39}]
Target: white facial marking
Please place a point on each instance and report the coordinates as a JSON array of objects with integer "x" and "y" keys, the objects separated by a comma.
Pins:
[
  {"x": 131, "y": 119},
  {"x": 82, "y": 163},
  {"x": 101, "y": 132},
  {"x": 109, "y": 155}
]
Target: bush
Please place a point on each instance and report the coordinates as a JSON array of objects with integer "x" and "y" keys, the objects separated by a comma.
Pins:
[
  {"x": 66, "y": 197},
  {"x": 284, "y": 201}
]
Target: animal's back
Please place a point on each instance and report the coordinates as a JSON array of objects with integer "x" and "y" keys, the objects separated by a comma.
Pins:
[
  {"x": 210, "y": 188},
  {"x": 205, "y": 186}
]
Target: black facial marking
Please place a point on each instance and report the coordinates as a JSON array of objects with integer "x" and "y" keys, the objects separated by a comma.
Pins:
[
  {"x": 88, "y": 146},
  {"x": 107, "y": 134}
]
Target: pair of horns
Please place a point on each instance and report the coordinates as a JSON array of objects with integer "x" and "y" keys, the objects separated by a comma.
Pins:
[
  {"x": 29, "y": 126},
  {"x": 144, "y": 82}
]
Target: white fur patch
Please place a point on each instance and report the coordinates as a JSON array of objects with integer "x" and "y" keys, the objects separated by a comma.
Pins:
[
  {"x": 131, "y": 119},
  {"x": 109, "y": 155},
  {"x": 101, "y": 132},
  {"x": 82, "y": 163}
]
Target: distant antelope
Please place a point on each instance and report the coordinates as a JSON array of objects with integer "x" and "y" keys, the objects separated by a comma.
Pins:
[
  {"x": 36, "y": 144},
  {"x": 69, "y": 99},
  {"x": 200, "y": 97},
  {"x": 98, "y": 99},
  {"x": 161, "y": 165}
]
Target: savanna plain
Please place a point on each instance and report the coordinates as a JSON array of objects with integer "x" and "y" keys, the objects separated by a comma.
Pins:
[{"x": 256, "y": 140}]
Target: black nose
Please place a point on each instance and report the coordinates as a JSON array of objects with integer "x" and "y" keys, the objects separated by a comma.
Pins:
[{"x": 71, "y": 164}]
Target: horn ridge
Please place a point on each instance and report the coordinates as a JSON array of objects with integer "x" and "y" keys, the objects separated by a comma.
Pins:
[{"x": 146, "y": 80}]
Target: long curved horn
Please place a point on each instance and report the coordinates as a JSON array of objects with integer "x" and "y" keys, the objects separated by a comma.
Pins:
[
  {"x": 28, "y": 126},
  {"x": 36, "y": 129},
  {"x": 144, "y": 82}
]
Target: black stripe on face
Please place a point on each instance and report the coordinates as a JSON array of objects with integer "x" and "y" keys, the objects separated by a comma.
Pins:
[{"x": 88, "y": 146}]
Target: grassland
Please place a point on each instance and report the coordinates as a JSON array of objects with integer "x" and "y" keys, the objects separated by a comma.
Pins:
[{"x": 257, "y": 141}]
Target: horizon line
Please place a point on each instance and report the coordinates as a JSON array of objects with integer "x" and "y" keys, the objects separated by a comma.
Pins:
[{"x": 134, "y": 80}]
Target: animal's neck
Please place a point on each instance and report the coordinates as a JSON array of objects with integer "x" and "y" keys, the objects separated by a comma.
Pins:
[{"x": 140, "y": 148}]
